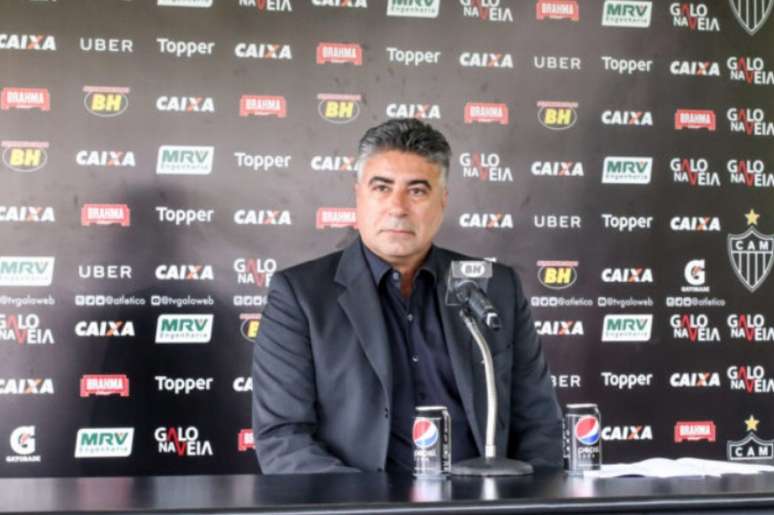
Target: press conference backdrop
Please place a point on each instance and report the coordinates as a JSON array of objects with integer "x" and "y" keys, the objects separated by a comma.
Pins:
[{"x": 162, "y": 159}]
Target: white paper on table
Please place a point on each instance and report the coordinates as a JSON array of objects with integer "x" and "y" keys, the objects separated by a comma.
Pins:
[{"x": 683, "y": 467}]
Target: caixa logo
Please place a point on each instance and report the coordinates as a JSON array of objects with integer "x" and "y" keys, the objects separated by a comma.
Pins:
[
  {"x": 106, "y": 158},
  {"x": 340, "y": 53},
  {"x": 34, "y": 214},
  {"x": 181, "y": 441},
  {"x": 37, "y": 386},
  {"x": 627, "y": 118},
  {"x": 268, "y": 5},
  {"x": 695, "y": 68},
  {"x": 750, "y": 327},
  {"x": 694, "y": 327},
  {"x": 354, "y": 4},
  {"x": 333, "y": 163},
  {"x": 486, "y": 10},
  {"x": 185, "y": 104},
  {"x": 338, "y": 108},
  {"x": 627, "y": 275},
  {"x": 694, "y": 380},
  {"x": 693, "y": 16},
  {"x": 750, "y": 70},
  {"x": 184, "y": 328},
  {"x": 25, "y": 98},
  {"x": 26, "y": 271},
  {"x": 419, "y": 111},
  {"x": 271, "y": 51},
  {"x": 263, "y": 105},
  {"x": 486, "y": 60},
  {"x": 557, "y": 115},
  {"x": 557, "y": 168},
  {"x": 486, "y": 112},
  {"x": 262, "y": 217},
  {"x": 25, "y": 156},
  {"x": 557, "y": 275},
  {"x": 695, "y": 223},
  {"x": 24, "y": 329},
  {"x": 106, "y": 101},
  {"x": 694, "y": 172},
  {"x": 627, "y": 433},
  {"x": 27, "y": 42},
  {"x": 255, "y": 271},
  {"x": 486, "y": 220},
  {"x": 104, "y": 328},
  {"x": 749, "y": 121},
  {"x": 749, "y": 379},
  {"x": 749, "y": 172},
  {"x": 185, "y": 273},
  {"x": 486, "y": 167},
  {"x": 559, "y": 327}
]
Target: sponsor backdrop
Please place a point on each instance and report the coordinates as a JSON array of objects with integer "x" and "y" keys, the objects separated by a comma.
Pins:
[{"x": 156, "y": 172}]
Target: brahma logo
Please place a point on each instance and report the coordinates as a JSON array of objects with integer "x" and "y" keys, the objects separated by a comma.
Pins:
[
  {"x": 24, "y": 329},
  {"x": 185, "y": 3},
  {"x": 104, "y": 384},
  {"x": 557, "y": 221},
  {"x": 695, "y": 223},
  {"x": 486, "y": 10},
  {"x": 413, "y": 8},
  {"x": 104, "y": 442},
  {"x": 268, "y": 5},
  {"x": 186, "y": 104},
  {"x": 340, "y": 53},
  {"x": 262, "y": 217},
  {"x": 105, "y": 214},
  {"x": 557, "y": 10},
  {"x": 627, "y": 328},
  {"x": 336, "y": 217},
  {"x": 26, "y": 271},
  {"x": 626, "y": 13},
  {"x": 22, "y": 442},
  {"x": 552, "y": 62},
  {"x": 270, "y": 51},
  {"x": 418, "y": 111},
  {"x": 749, "y": 172},
  {"x": 104, "y": 328},
  {"x": 750, "y": 379},
  {"x": 184, "y": 160},
  {"x": 27, "y": 42},
  {"x": 750, "y": 70},
  {"x": 557, "y": 115},
  {"x": 486, "y": 112},
  {"x": 485, "y": 167},
  {"x": 245, "y": 440},
  {"x": 750, "y": 122},
  {"x": 105, "y": 101},
  {"x": 263, "y": 105},
  {"x": 557, "y": 275},
  {"x": 486, "y": 220},
  {"x": 27, "y": 214},
  {"x": 751, "y": 447},
  {"x": 337, "y": 108},
  {"x": 25, "y": 156},
  {"x": 251, "y": 323},
  {"x": 627, "y": 275},
  {"x": 693, "y": 171},
  {"x": 559, "y": 327},
  {"x": 188, "y": 328},
  {"x": 694, "y": 380},
  {"x": 184, "y": 273},
  {"x": 25, "y": 98},
  {"x": 627, "y": 433},
  {"x": 751, "y": 253},
  {"x": 557, "y": 168},
  {"x": 695, "y": 68},
  {"x": 696, "y": 276},
  {"x": 354, "y": 4},
  {"x": 636, "y": 118},
  {"x": 333, "y": 163},
  {"x": 486, "y": 60},
  {"x": 695, "y": 431},
  {"x": 750, "y": 327},
  {"x": 693, "y": 327},
  {"x": 627, "y": 170},
  {"x": 695, "y": 119},
  {"x": 106, "y": 158},
  {"x": 693, "y": 16},
  {"x": 256, "y": 271},
  {"x": 183, "y": 442},
  {"x": 40, "y": 386}
]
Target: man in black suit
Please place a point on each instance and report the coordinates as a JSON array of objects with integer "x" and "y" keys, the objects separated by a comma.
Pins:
[{"x": 351, "y": 342}]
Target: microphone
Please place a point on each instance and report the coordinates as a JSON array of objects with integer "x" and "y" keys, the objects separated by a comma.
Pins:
[{"x": 466, "y": 287}]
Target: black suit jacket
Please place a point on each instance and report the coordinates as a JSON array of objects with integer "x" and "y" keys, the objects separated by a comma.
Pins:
[{"x": 322, "y": 378}]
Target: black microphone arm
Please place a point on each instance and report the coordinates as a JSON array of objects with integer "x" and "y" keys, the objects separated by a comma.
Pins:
[{"x": 473, "y": 298}]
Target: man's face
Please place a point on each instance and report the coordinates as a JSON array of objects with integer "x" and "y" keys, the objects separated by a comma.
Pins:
[{"x": 400, "y": 203}]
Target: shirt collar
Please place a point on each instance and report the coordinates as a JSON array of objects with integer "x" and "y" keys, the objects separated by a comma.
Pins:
[{"x": 379, "y": 267}]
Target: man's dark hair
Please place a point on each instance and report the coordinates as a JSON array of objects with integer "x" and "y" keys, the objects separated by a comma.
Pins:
[{"x": 405, "y": 135}]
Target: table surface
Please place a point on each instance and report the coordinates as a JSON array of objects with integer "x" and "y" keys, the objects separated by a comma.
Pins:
[{"x": 545, "y": 492}]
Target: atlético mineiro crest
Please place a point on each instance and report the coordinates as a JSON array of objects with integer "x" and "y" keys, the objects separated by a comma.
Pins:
[
  {"x": 751, "y": 254},
  {"x": 751, "y": 14}
]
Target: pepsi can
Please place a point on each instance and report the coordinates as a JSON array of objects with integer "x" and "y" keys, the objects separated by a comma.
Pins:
[
  {"x": 432, "y": 441},
  {"x": 582, "y": 438}
]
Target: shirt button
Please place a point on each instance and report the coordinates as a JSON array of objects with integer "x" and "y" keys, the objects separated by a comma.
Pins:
[
  {"x": 396, "y": 276},
  {"x": 410, "y": 317},
  {"x": 415, "y": 359},
  {"x": 386, "y": 413}
]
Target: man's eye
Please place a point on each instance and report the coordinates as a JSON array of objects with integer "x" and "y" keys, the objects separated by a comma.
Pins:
[
  {"x": 418, "y": 192},
  {"x": 381, "y": 188}
]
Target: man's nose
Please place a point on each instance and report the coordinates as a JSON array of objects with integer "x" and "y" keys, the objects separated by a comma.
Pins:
[{"x": 398, "y": 202}]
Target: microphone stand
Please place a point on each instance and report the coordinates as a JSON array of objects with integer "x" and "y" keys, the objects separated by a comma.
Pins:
[{"x": 489, "y": 464}]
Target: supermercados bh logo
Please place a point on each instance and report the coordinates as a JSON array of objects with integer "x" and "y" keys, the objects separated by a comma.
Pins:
[
  {"x": 627, "y": 13},
  {"x": 333, "y": 163},
  {"x": 751, "y": 254},
  {"x": 695, "y": 224},
  {"x": 175, "y": 272},
  {"x": 25, "y": 98},
  {"x": 413, "y": 8},
  {"x": 751, "y": 447},
  {"x": 249, "y": 326},
  {"x": 27, "y": 42},
  {"x": 340, "y": 53},
  {"x": 694, "y": 431},
  {"x": 104, "y": 384},
  {"x": 182, "y": 441},
  {"x": 693, "y": 16},
  {"x": 749, "y": 379},
  {"x": 335, "y": 217},
  {"x": 627, "y": 275},
  {"x": 24, "y": 329},
  {"x": 26, "y": 271},
  {"x": 185, "y": 104},
  {"x": 22, "y": 442},
  {"x": 25, "y": 156},
  {"x": 750, "y": 70},
  {"x": 627, "y": 433},
  {"x": 486, "y": 60},
  {"x": 486, "y": 167},
  {"x": 418, "y": 111},
  {"x": 37, "y": 386},
  {"x": 486, "y": 10},
  {"x": 104, "y": 442},
  {"x": 486, "y": 220},
  {"x": 354, "y": 4},
  {"x": 105, "y": 214},
  {"x": 557, "y": 275},
  {"x": 34, "y": 214},
  {"x": 184, "y": 160},
  {"x": 486, "y": 112},
  {"x": 557, "y": 10},
  {"x": 106, "y": 158},
  {"x": 557, "y": 115},
  {"x": 627, "y": 118},
  {"x": 268, "y": 5},
  {"x": 337, "y": 108},
  {"x": 104, "y": 328},
  {"x": 750, "y": 327},
  {"x": 627, "y": 170},
  {"x": 695, "y": 68},
  {"x": 262, "y": 217},
  {"x": 255, "y": 271},
  {"x": 557, "y": 168},
  {"x": 694, "y": 327},
  {"x": 751, "y": 15},
  {"x": 269, "y": 51},
  {"x": 559, "y": 327},
  {"x": 750, "y": 122},
  {"x": 186, "y": 328},
  {"x": 105, "y": 101},
  {"x": 627, "y": 328},
  {"x": 263, "y": 105},
  {"x": 695, "y": 119},
  {"x": 694, "y": 171}
]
